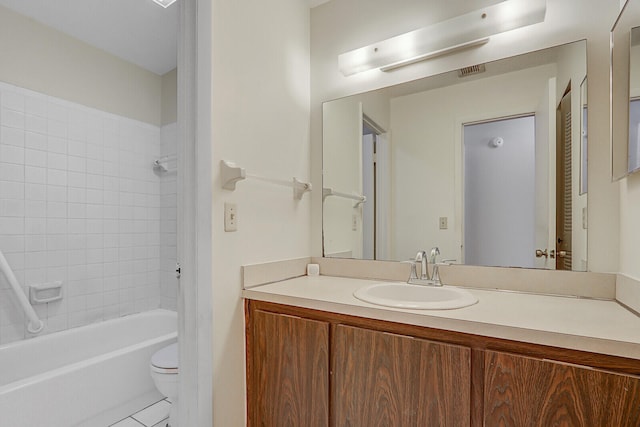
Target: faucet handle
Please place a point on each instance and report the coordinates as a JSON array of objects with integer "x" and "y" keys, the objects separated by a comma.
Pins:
[
  {"x": 435, "y": 251},
  {"x": 414, "y": 273},
  {"x": 435, "y": 276}
]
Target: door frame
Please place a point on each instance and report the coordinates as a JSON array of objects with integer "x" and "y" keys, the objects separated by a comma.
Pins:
[{"x": 194, "y": 228}]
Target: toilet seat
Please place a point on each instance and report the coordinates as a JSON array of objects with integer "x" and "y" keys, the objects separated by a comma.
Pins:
[{"x": 165, "y": 360}]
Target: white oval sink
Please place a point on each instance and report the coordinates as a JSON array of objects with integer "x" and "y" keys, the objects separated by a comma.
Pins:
[{"x": 420, "y": 297}]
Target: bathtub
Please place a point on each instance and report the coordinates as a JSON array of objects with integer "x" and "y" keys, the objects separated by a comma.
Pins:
[{"x": 88, "y": 376}]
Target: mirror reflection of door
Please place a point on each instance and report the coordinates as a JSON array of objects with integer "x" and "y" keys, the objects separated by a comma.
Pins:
[
  {"x": 368, "y": 191},
  {"x": 500, "y": 192},
  {"x": 564, "y": 204},
  {"x": 376, "y": 188}
]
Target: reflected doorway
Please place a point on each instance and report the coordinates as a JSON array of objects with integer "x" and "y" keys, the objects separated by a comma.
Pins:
[
  {"x": 564, "y": 204},
  {"x": 376, "y": 184},
  {"x": 500, "y": 192}
]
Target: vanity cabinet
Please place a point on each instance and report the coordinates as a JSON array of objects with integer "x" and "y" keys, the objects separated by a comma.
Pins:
[
  {"x": 314, "y": 368},
  {"x": 522, "y": 391},
  {"x": 288, "y": 371},
  {"x": 383, "y": 379}
]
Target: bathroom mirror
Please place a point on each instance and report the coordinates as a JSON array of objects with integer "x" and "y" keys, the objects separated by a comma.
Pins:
[
  {"x": 583, "y": 139},
  {"x": 625, "y": 91},
  {"x": 468, "y": 161}
]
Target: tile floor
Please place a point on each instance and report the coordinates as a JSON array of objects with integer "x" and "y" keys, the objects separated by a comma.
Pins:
[{"x": 155, "y": 415}]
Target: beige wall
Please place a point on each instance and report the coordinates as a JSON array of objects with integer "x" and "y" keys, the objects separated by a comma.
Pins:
[
  {"x": 260, "y": 120},
  {"x": 39, "y": 58},
  {"x": 169, "y": 113},
  {"x": 342, "y": 25}
]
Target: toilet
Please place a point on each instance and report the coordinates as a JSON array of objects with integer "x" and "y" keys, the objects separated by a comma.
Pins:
[{"x": 164, "y": 371}]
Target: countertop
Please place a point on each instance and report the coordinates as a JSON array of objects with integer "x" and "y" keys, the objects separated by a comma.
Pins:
[{"x": 576, "y": 323}]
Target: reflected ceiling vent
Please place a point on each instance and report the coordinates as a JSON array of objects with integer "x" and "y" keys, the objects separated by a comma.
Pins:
[{"x": 469, "y": 71}]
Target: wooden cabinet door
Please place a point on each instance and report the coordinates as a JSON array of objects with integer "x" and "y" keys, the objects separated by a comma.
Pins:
[
  {"x": 381, "y": 379},
  {"x": 288, "y": 374},
  {"x": 520, "y": 391}
]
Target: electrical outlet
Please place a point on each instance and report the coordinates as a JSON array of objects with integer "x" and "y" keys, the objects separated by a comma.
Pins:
[
  {"x": 230, "y": 217},
  {"x": 443, "y": 223},
  {"x": 585, "y": 220},
  {"x": 354, "y": 222}
]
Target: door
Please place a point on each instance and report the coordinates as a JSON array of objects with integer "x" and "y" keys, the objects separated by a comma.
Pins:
[
  {"x": 545, "y": 236},
  {"x": 564, "y": 201},
  {"x": 383, "y": 379},
  {"x": 521, "y": 391},
  {"x": 288, "y": 371},
  {"x": 383, "y": 198},
  {"x": 499, "y": 193},
  {"x": 368, "y": 191},
  {"x": 376, "y": 187}
]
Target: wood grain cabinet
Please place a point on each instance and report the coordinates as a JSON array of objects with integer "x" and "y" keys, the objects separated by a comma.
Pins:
[
  {"x": 288, "y": 375},
  {"x": 308, "y": 368},
  {"x": 521, "y": 391},
  {"x": 382, "y": 379}
]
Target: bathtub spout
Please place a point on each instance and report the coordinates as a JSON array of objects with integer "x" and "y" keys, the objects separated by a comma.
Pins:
[{"x": 35, "y": 325}]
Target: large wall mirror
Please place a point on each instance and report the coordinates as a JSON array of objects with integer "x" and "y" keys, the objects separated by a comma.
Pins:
[
  {"x": 625, "y": 91},
  {"x": 486, "y": 162}
]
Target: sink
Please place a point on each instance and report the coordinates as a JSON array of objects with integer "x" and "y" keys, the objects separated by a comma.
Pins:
[{"x": 420, "y": 297}]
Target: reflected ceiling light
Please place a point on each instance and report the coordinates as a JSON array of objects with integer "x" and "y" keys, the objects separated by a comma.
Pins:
[
  {"x": 164, "y": 3},
  {"x": 462, "y": 32}
]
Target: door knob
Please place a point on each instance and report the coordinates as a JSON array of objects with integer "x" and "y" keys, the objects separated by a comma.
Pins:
[
  {"x": 562, "y": 254},
  {"x": 540, "y": 253}
]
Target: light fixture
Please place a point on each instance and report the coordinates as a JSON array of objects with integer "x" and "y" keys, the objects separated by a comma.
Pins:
[
  {"x": 164, "y": 3},
  {"x": 462, "y": 32}
]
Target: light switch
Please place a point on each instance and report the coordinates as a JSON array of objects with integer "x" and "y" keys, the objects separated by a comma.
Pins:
[
  {"x": 443, "y": 223},
  {"x": 230, "y": 217}
]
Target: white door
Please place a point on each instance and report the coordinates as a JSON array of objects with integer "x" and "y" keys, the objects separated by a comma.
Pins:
[
  {"x": 383, "y": 198},
  {"x": 546, "y": 176},
  {"x": 368, "y": 191},
  {"x": 499, "y": 193}
]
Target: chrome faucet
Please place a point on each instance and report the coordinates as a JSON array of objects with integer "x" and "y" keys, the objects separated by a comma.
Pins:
[
  {"x": 421, "y": 257},
  {"x": 425, "y": 279},
  {"x": 435, "y": 275}
]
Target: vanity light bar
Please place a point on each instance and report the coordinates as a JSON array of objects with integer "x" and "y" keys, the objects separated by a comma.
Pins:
[
  {"x": 445, "y": 37},
  {"x": 441, "y": 52}
]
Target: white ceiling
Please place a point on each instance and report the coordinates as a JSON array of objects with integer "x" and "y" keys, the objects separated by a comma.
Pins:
[{"x": 138, "y": 31}]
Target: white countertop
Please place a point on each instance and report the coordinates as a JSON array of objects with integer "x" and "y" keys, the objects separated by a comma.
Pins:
[{"x": 575, "y": 323}]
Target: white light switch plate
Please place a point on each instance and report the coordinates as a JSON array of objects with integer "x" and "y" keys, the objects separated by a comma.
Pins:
[{"x": 230, "y": 217}]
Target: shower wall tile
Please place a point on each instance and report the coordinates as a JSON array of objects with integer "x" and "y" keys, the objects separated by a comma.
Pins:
[
  {"x": 81, "y": 203},
  {"x": 165, "y": 216}
]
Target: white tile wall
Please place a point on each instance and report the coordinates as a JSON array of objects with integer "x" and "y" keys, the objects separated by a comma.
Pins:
[
  {"x": 80, "y": 202},
  {"x": 168, "y": 212}
]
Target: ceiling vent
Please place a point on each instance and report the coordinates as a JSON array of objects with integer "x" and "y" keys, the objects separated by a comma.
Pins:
[{"x": 474, "y": 69}]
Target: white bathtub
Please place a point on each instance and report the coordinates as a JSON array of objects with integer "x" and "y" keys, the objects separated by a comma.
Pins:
[{"x": 87, "y": 376}]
